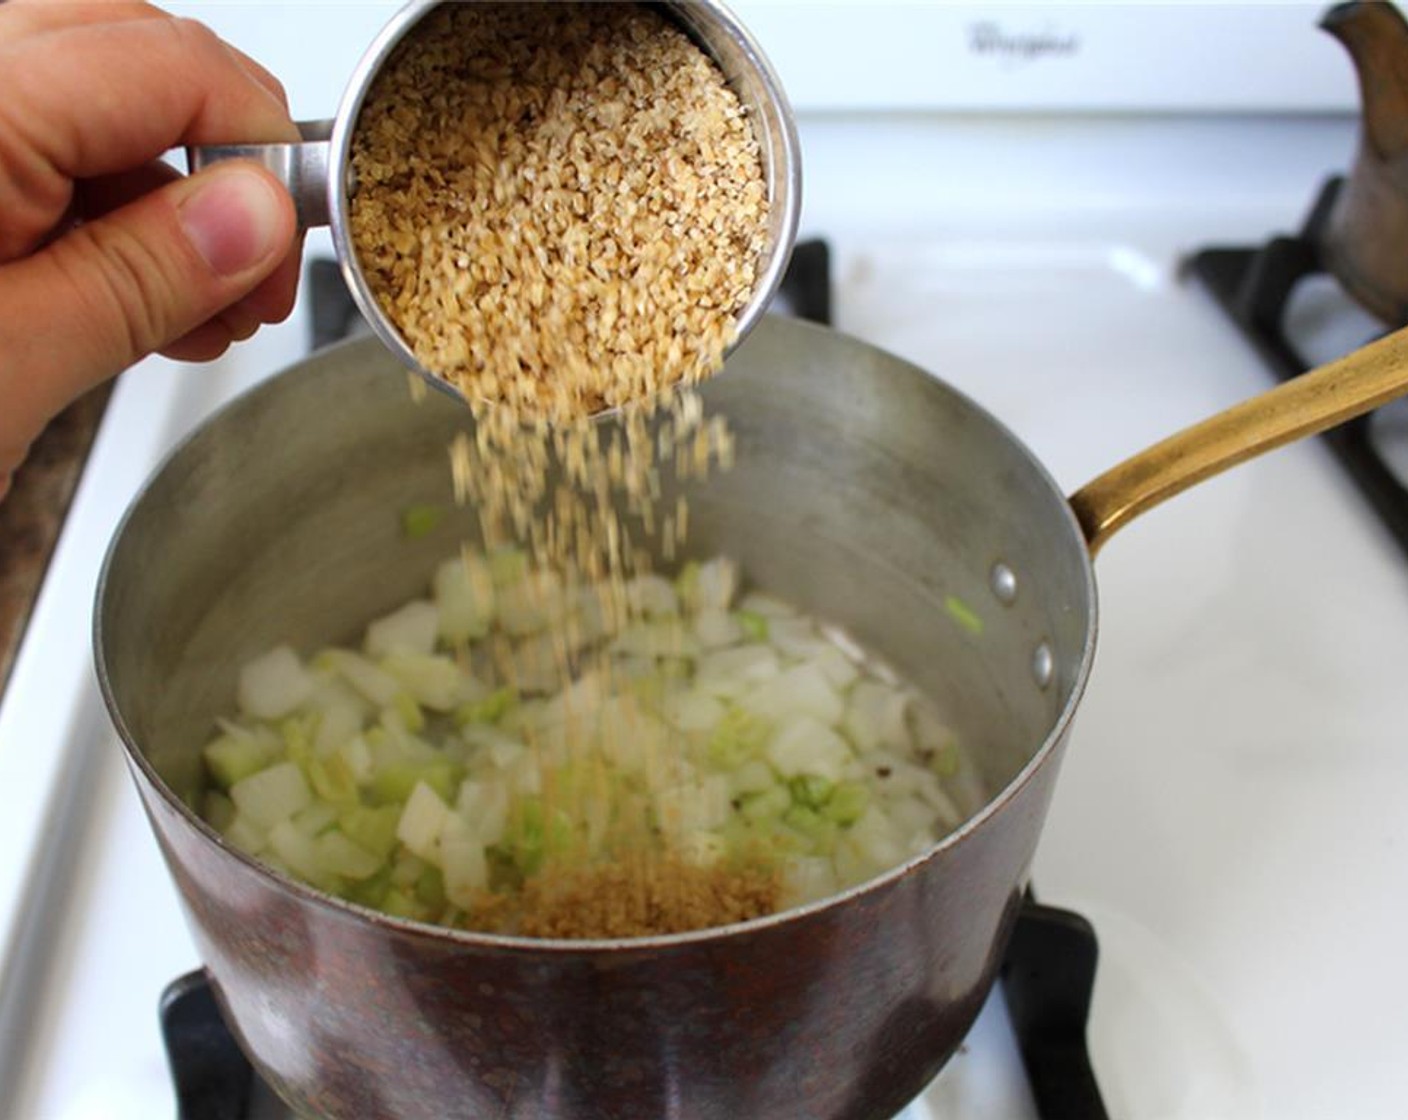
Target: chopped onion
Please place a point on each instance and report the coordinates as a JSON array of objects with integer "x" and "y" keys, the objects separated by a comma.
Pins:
[
  {"x": 455, "y": 750},
  {"x": 274, "y": 685},
  {"x": 411, "y": 629}
]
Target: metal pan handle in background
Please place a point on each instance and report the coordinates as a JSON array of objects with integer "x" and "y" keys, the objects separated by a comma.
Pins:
[
  {"x": 1341, "y": 390},
  {"x": 302, "y": 167}
]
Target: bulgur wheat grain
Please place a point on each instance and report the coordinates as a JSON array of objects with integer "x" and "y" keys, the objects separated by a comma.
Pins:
[{"x": 561, "y": 207}]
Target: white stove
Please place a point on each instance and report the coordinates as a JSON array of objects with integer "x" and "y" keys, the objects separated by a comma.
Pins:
[{"x": 1229, "y": 814}]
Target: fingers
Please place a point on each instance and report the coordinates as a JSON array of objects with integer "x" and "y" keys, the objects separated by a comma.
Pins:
[
  {"x": 21, "y": 18},
  {"x": 192, "y": 89},
  {"x": 95, "y": 197},
  {"x": 271, "y": 302},
  {"x": 137, "y": 280}
]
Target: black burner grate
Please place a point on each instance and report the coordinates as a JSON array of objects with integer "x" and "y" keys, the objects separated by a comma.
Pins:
[{"x": 1254, "y": 285}]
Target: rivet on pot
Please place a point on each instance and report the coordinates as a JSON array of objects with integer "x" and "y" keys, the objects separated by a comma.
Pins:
[
  {"x": 1043, "y": 665},
  {"x": 1004, "y": 583}
]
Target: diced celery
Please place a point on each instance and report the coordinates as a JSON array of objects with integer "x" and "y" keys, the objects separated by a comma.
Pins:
[
  {"x": 848, "y": 801},
  {"x": 393, "y": 784},
  {"x": 402, "y": 904},
  {"x": 819, "y": 831},
  {"x": 271, "y": 795},
  {"x": 535, "y": 833},
  {"x": 430, "y": 888},
  {"x": 811, "y": 790},
  {"x": 963, "y": 614},
  {"x": 753, "y": 625},
  {"x": 340, "y": 855},
  {"x": 332, "y": 779},
  {"x": 421, "y": 520},
  {"x": 232, "y": 758},
  {"x": 945, "y": 760},
  {"x": 769, "y": 805},
  {"x": 371, "y": 891},
  {"x": 737, "y": 732},
  {"x": 372, "y": 828},
  {"x": 736, "y": 738},
  {"x": 489, "y": 709},
  {"x": 404, "y": 713}
]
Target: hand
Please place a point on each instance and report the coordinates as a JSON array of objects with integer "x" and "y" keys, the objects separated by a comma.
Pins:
[{"x": 106, "y": 254}]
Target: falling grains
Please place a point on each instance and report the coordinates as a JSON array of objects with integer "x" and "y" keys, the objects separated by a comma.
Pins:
[{"x": 561, "y": 208}]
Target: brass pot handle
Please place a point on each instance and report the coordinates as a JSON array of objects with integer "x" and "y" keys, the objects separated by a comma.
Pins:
[{"x": 1338, "y": 391}]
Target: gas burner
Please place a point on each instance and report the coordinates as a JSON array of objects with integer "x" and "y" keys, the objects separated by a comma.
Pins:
[
  {"x": 1266, "y": 291},
  {"x": 1048, "y": 975}
]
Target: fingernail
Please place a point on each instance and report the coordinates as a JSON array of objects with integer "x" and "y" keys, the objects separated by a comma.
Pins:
[{"x": 235, "y": 219}]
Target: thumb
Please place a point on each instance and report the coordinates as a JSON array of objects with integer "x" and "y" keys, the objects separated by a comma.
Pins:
[{"x": 113, "y": 290}]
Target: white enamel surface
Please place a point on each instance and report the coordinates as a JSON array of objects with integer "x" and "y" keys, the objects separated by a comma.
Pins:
[{"x": 1229, "y": 812}]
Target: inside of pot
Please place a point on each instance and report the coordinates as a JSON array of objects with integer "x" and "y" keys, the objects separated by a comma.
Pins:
[{"x": 864, "y": 492}]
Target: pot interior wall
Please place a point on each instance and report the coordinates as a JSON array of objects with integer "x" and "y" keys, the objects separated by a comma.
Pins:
[{"x": 864, "y": 492}]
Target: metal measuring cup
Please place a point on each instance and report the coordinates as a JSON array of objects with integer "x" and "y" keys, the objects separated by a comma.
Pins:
[{"x": 317, "y": 171}]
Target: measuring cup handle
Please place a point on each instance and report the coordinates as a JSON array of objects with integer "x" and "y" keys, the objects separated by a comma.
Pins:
[{"x": 302, "y": 167}]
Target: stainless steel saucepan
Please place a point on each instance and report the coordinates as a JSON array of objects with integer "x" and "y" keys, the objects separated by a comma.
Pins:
[{"x": 865, "y": 491}]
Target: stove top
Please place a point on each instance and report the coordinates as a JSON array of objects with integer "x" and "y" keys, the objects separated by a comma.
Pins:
[{"x": 1228, "y": 817}]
